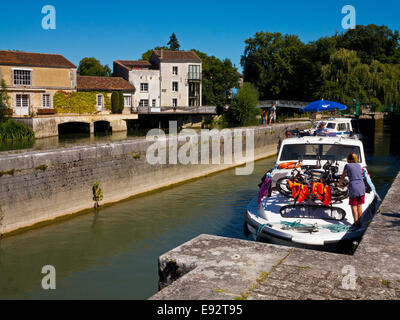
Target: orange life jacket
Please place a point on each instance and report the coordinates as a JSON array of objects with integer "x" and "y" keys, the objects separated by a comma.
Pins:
[
  {"x": 288, "y": 165},
  {"x": 300, "y": 191},
  {"x": 322, "y": 192}
]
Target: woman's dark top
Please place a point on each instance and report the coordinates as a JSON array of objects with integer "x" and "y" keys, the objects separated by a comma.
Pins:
[{"x": 356, "y": 186}]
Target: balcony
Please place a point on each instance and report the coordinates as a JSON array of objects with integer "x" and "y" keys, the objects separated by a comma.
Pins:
[{"x": 194, "y": 76}]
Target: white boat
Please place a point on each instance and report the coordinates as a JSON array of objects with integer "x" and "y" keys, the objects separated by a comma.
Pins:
[
  {"x": 310, "y": 222},
  {"x": 341, "y": 127}
]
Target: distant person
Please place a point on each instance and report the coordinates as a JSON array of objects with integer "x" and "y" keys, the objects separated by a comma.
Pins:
[
  {"x": 322, "y": 130},
  {"x": 272, "y": 114},
  {"x": 356, "y": 187},
  {"x": 264, "y": 117}
]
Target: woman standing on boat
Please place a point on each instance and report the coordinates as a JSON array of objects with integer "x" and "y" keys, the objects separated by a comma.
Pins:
[{"x": 356, "y": 187}]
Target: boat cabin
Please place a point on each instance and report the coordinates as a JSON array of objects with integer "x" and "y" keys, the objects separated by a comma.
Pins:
[
  {"x": 339, "y": 126},
  {"x": 310, "y": 150}
]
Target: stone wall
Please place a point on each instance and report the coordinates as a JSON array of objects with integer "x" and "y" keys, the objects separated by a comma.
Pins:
[
  {"x": 43, "y": 185},
  {"x": 45, "y": 127}
]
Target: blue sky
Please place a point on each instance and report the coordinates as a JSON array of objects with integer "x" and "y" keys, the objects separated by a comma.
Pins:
[{"x": 111, "y": 30}]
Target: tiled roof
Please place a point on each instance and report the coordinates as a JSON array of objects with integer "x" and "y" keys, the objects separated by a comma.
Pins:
[
  {"x": 135, "y": 64},
  {"x": 19, "y": 58},
  {"x": 165, "y": 55},
  {"x": 85, "y": 83}
]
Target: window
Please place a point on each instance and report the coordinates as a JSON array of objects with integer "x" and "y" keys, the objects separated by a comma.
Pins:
[
  {"x": 143, "y": 103},
  {"x": 100, "y": 101},
  {"x": 194, "y": 72},
  {"x": 175, "y": 70},
  {"x": 22, "y": 77},
  {"x": 175, "y": 86},
  {"x": 194, "y": 94},
  {"x": 331, "y": 125},
  {"x": 46, "y": 101},
  {"x": 127, "y": 100},
  {"x": 22, "y": 101},
  {"x": 174, "y": 102},
  {"x": 342, "y": 127},
  {"x": 153, "y": 103},
  {"x": 313, "y": 151},
  {"x": 144, "y": 87}
]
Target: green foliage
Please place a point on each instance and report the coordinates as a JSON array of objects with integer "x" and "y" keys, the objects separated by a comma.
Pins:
[
  {"x": 93, "y": 67},
  {"x": 244, "y": 105},
  {"x": 173, "y": 42},
  {"x": 121, "y": 102},
  {"x": 362, "y": 63},
  {"x": 115, "y": 102},
  {"x": 219, "y": 77},
  {"x": 346, "y": 77},
  {"x": 97, "y": 194},
  {"x": 78, "y": 102},
  {"x": 280, "y": 66},
  {"x": 11, "y": 130},
  {"x": 42, "y": 167},
  {"x": 3, "y": 99},
  {"x": 372, "y": 42}
]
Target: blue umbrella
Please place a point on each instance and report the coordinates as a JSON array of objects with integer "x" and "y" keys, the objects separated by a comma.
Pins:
[{"x": 323, "y": 105}]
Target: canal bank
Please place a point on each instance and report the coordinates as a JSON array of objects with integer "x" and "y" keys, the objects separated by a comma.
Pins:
[
  {"x": 43, "y": 185},
  {"x": 211, "y": 267}
]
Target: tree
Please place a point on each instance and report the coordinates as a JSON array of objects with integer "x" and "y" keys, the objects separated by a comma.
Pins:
[
  {"x": 346, "y": 78},
  {"x": 243, "y": 105},
  {"x": 115, "y": 103},
  {"x": 173, "y": 42},
  {"x": 219, "y": 77},
  {"x": 121, "y": 102},
  {"x": 93, "y": 67},
  {"x": 372, "y": 42},
  {"x": 3, "y": 99},
  {"x": 279, "y": 66},
  {"x": 323, "y": 48}
]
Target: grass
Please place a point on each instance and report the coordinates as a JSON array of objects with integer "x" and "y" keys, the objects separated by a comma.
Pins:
[
  {"x": 136, "y": 155},
  {"x": 11, "y": 130},
  {"x": 9, "y": 172},
  {"x": 261, "y": 278},
  {"x": 219, "y": 290},
  {"x": 386, "y": 283},
  {"x": 43, "y": 167}
]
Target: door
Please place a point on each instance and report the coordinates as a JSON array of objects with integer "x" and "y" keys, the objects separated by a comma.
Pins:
[
  {"x": 100, "y": 102},
  {"x": 22, "y": 104}
]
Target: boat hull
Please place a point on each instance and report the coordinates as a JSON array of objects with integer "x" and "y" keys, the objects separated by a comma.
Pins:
[{"x": 263, "y": 228}]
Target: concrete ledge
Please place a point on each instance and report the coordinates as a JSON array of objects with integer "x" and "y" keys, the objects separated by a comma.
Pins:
[{"x": 211, "y": 267}]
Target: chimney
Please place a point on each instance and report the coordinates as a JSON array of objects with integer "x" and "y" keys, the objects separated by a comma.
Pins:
[{"x": 161, "y": 54}]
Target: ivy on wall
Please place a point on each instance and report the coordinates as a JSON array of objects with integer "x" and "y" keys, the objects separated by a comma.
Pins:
[{"x": 79, "y": 102}]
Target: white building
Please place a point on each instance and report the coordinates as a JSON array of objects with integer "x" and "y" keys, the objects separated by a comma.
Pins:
[
  {"x": 180, "y": 77},
  {"x": 169, "y": 79},
  {"x": 144, "y": 77}
]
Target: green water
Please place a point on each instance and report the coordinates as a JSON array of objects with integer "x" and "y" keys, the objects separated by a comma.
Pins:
[{"x": 113, "y": 254}]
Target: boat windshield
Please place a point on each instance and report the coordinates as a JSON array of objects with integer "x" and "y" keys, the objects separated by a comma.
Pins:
[
  {"x": 332, "y": 152},
  {"x": 331, "y": 125}
]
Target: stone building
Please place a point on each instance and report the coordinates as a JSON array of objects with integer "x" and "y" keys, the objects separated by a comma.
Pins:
[
  {"x": 144, "y": 77},
  {"x": 32, "y": 79},
  {"x": 105, "y": 86},
  {"x": 169, "y": 79}
]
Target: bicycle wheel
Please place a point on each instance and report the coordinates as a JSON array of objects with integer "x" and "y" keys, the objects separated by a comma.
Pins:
[
  {"x": 339, "y": 193},
  {"x": 283, "y": 187}
]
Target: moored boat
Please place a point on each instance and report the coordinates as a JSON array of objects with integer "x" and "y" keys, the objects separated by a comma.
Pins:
[{"x": 308, "y": 215}]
